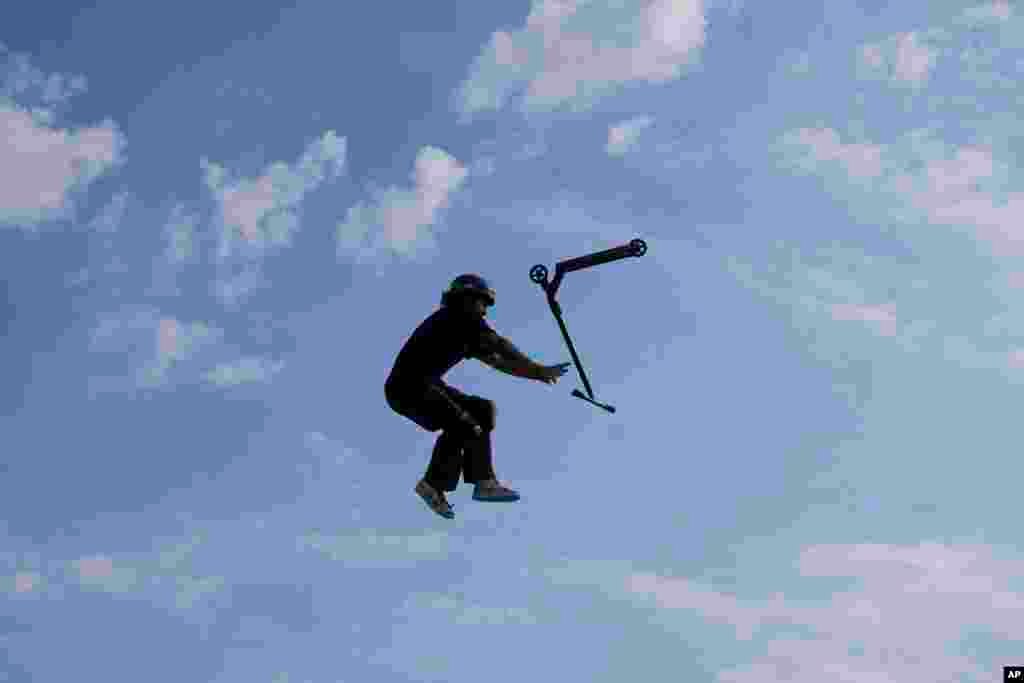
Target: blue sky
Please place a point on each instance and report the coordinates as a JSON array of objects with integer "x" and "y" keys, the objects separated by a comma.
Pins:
[{"x": 218, "y": 226}]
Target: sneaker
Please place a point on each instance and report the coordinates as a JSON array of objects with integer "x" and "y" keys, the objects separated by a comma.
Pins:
[
  {"x": 434, "y": 499},
  {"x": 491, "y": 491}
]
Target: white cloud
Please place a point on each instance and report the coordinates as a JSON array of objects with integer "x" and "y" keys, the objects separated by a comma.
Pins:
[
  {"x": 881, "y": 317},
  {"x": 812, "y": 146},
  {"x": 22, "y": 81},
  {"x": 465, "y": 613},
  {"x": 180, "y": 231},
  {"x": 913, "y": 60},
  {"x": 945, "y": 184},
  {"x": 102, "y": 572},
  {"x": 800, "y": 64},
  {"x": 839, "y": 290},
  {"x": 106, "y": 261},
  {"x": 165, "y": 575},
  {"x": 836, "y": 291},
  {"x": 873, "y": 55},
  {"x": 622, "y": 135},
  {"x": 902, "y": 621},
  {"x": 111, "y": 216},
  {"x": 26, "y": 582},
  {"x": 192, "y": 591},
  {"x": 998, "y": 11},
  {"x": 244, "y": 371},
  {"x": 570, "y": 49},
  {"x": 399, "y": 219},
  {"x": 176, "y": 342},
  {"x": 262, "y": 210},
  {"x": 42, "y": 166},
  {"x": 919, "y": 176},
  {"x": 369, "y": 548},
  {"x": 153, "y": 350},
  {"x": 906, "y": 58},
  {"x": 262, "y": 213},
  {"x": 951, "y": 190},
  {"x": 181, "y": 245},
  {"x": 511, "y": 147}
]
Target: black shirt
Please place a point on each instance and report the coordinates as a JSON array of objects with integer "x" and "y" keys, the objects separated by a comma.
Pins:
[{"x": 439, "y": 343}]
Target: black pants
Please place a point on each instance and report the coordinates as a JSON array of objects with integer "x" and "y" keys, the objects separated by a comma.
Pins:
[{"x": 458, "y": 450}]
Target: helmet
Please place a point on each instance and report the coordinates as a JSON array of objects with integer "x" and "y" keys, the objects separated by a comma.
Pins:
[{"x": 469, "y": 284}]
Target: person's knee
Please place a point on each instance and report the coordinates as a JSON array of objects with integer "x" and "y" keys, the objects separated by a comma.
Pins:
[
  {"x": 482, "y": 412},
  {"x": 487, "y": 411}
]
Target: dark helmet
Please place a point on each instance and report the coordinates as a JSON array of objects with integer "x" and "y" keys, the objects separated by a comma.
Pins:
[{"x": 469, "y": 284}]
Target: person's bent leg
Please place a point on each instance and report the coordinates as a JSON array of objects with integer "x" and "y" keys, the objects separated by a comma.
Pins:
[
  {"x": 453, "y": 412},
  {"x": 428, "y": 406},
  {"x": 478, "y": 461},
  {"x": 446, "y": 461},
  {"x": 479, "y": 464}
]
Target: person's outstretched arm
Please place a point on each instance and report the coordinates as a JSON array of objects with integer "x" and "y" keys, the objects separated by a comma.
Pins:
[{"x": 502, "y": 355}]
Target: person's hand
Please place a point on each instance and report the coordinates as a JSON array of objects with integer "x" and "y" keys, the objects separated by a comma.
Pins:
[{"x": 549, "y": 374}]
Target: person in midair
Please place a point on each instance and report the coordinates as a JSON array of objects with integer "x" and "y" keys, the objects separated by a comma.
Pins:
[{"x": 415, "y": 389}]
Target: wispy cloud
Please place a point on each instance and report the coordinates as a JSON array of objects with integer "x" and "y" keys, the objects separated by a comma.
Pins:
[
  {"x": 262, "y": 210},
  {"x": 882, "y": 317},
  {"x": 262, "y": 213},
  {"x": 149, "y": 345},
  {"x": 910, "y": 608},
  {"x": 244, "y": 371},
  {"x": 100, "y": 571},
  {"x": 180, "y": 231},
  {"x": 624, "y": 134},
  {"x": 192, "y": 572},
  {"x": 907, "y": 58},
  {"x": 111, "y": 216},
  {"x": 997, "y": 11},
  {"x": 369, "y": 548},
  {"x": 106, "y": 261},
  {"x": 43, "y": 166},
  {"x": 511, "y": 147},
  {"x": 813, "y": 147},
  {"x": 21, "y": 80},
  {"x": 26, "y": 582},
  {"x": 466, "y": 613},
  {"x": 953, "y": 190},
  {"x": 568, "y": 51},
  {"x": 943, "y": 183},
  {"x": 833, "y": 292},
  {"x": 399, "y": 219},
  {"x": 152, "y": 350},
  {"x": 951, "y": 161},
  {"x": 165, "y": 576}
]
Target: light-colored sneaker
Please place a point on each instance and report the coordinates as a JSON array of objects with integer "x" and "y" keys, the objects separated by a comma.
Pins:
[
  {"x": 434, "y": 499},
  {"x": 492, "y": 491}
]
